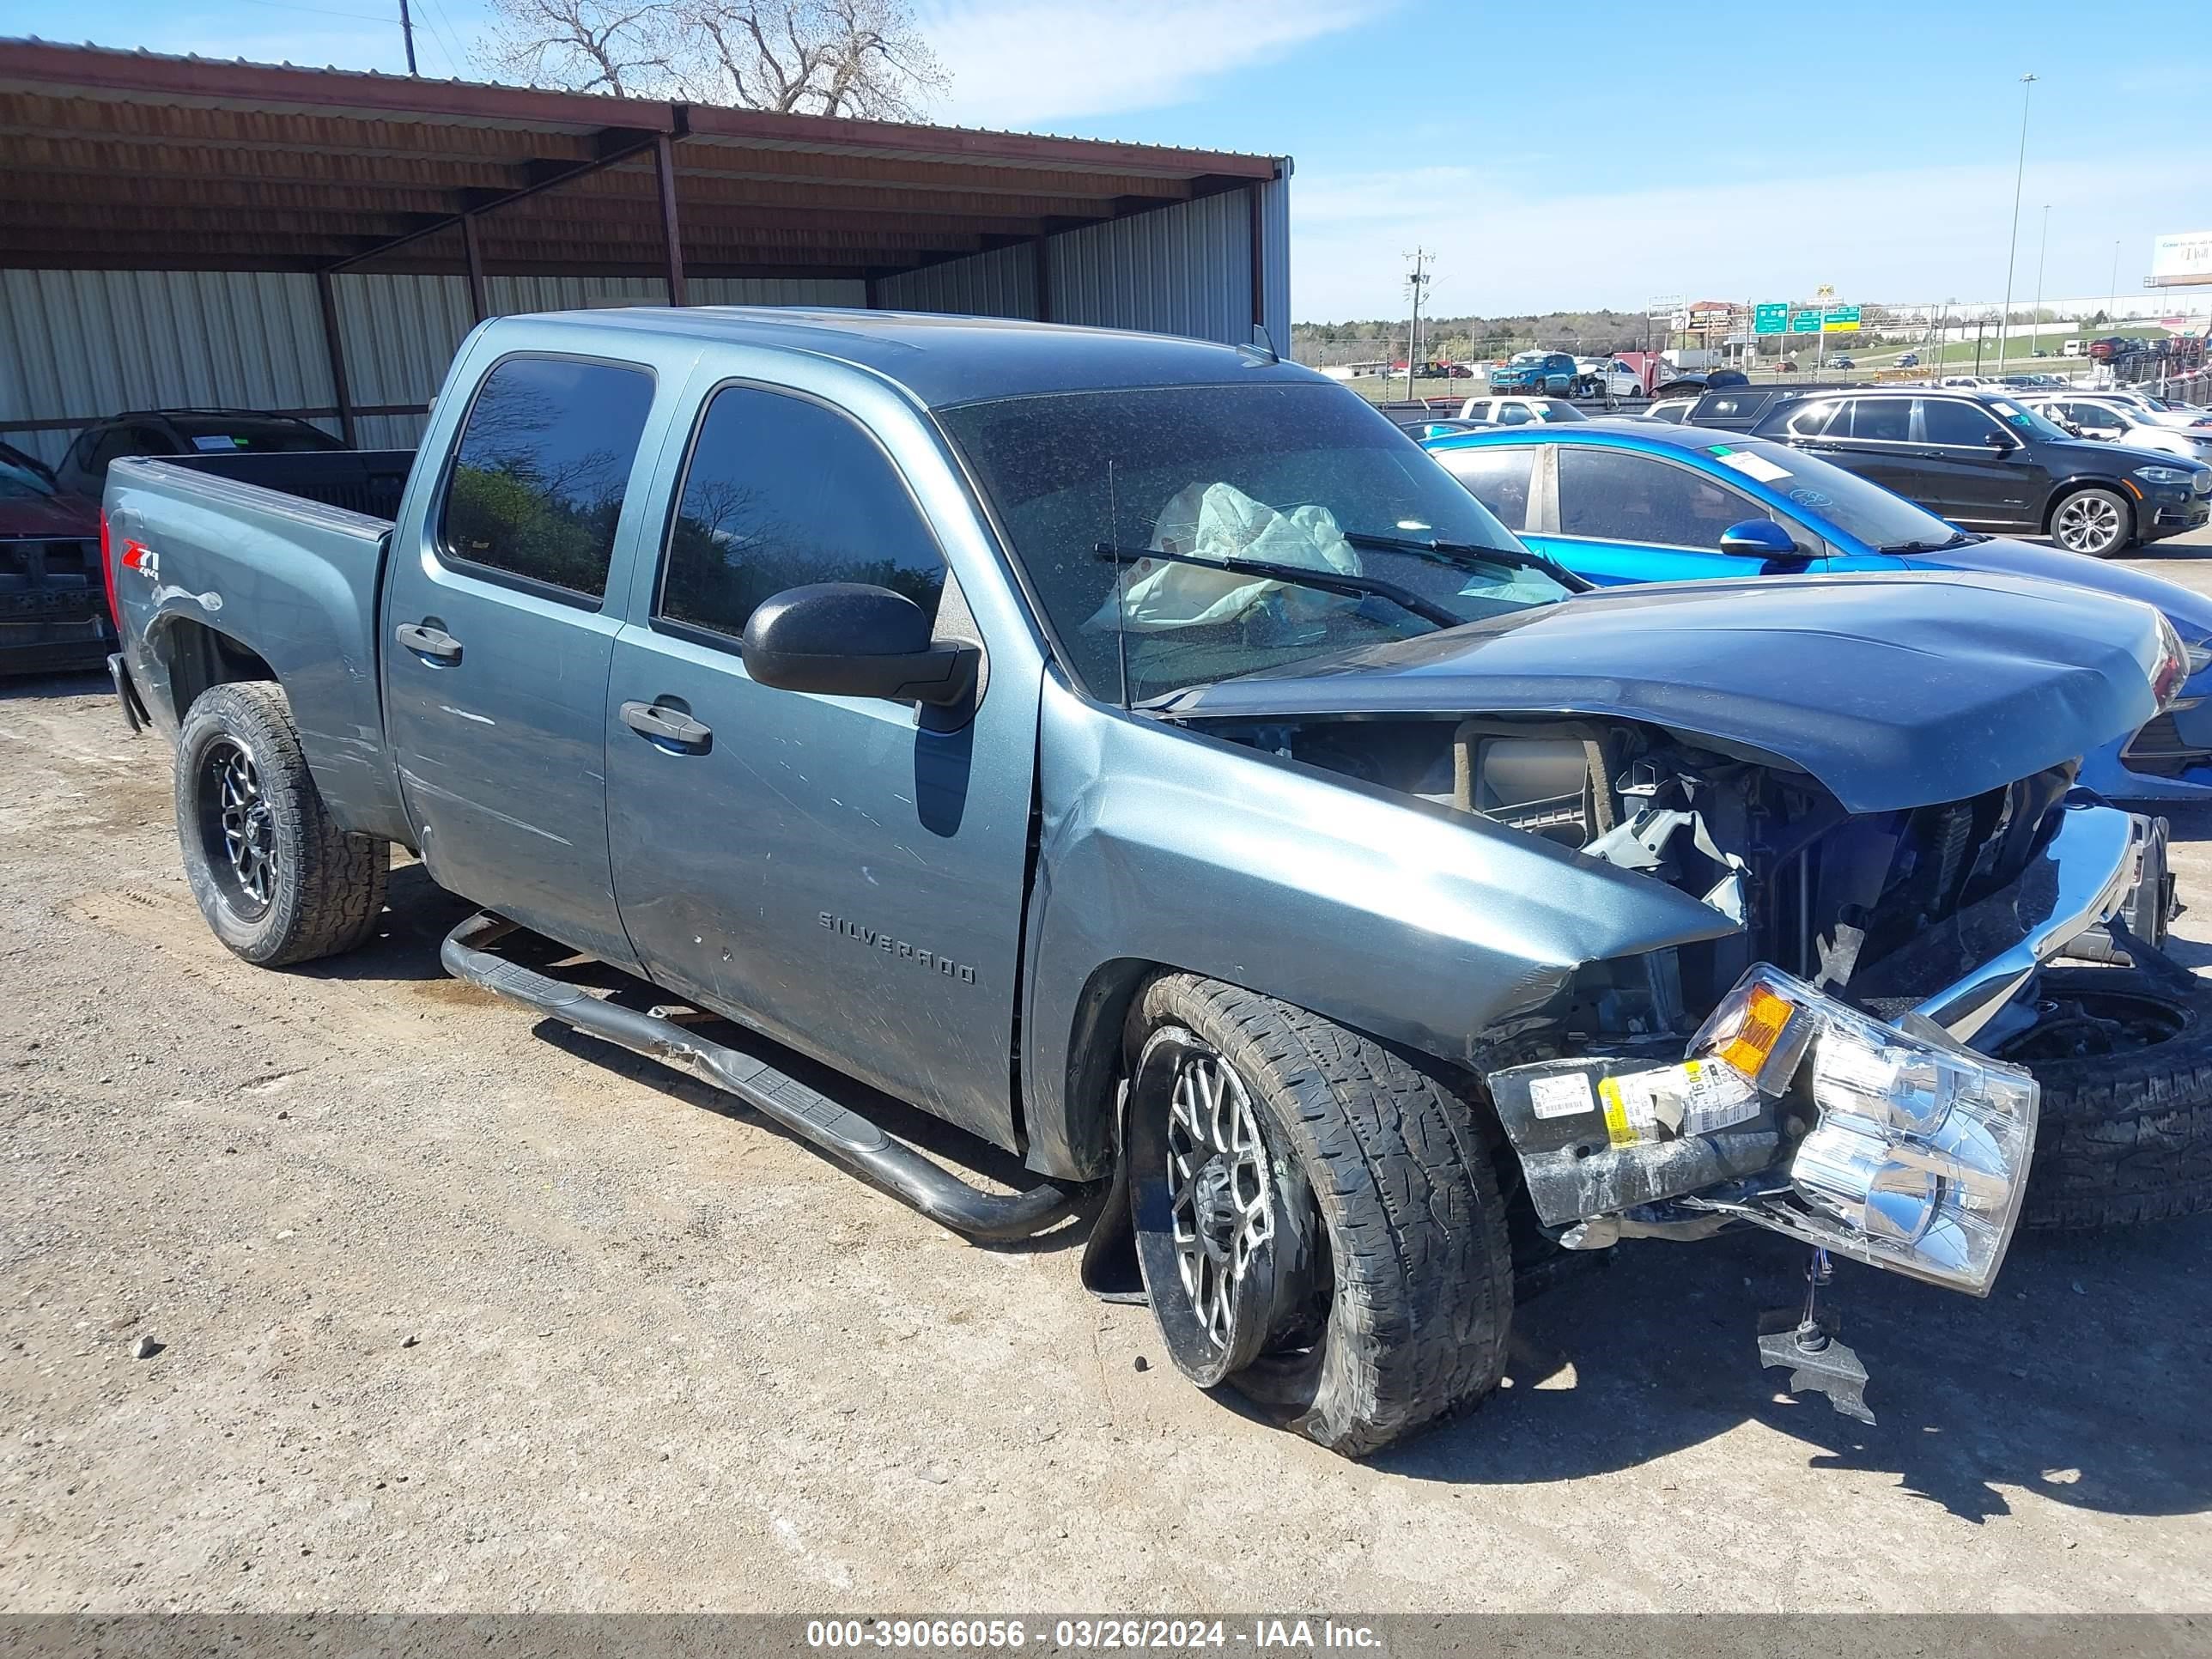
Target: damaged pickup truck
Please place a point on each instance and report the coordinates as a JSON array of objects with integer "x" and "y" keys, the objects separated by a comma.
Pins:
[{"x": 1139, "y": 754}]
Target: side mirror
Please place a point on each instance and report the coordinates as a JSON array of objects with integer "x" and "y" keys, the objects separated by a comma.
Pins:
[
  {"x": 851, "y": 639},
  {"x": 1760, "y": 538},
  {"x": 1999, "y": 442}
]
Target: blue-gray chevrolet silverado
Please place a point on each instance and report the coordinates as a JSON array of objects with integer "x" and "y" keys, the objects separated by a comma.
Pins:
[{"x": 1139, "y": 754}]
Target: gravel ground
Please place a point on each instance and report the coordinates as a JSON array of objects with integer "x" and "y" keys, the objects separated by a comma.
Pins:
[{"x": 455, "y": 1311}]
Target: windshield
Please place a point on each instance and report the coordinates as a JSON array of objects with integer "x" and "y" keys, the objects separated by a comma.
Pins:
[
  {"x": 213, "y": 434},
  {"x": 1861, "y": 509},
  {"x": 20, "y": 483},
  {"x": 2020, "y": 418},
  {"x": 1305, "y": 478}
]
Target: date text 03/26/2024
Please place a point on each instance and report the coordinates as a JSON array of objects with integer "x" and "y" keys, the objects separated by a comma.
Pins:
[{"x": 1132, "y": 1634}]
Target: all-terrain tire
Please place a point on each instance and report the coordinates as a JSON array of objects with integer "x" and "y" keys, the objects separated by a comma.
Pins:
[
  {"x": 325, "y": 887},
  {"x": 2127, "y": 1137},
  {"x": 1420, "y": 1299}
]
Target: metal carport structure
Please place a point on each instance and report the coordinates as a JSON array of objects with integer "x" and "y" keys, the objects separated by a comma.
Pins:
[{"x": 189, "y": 231}]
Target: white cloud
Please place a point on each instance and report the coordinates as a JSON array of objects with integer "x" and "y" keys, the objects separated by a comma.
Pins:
[
  {"x": 1018, "y": 63},
  {"x": 1504, "y": 243}
]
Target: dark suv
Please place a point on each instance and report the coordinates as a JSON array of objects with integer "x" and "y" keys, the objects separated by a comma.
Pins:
[
  {"x": 1981, "y": 459},
  {"x": 83, "y": 471}
]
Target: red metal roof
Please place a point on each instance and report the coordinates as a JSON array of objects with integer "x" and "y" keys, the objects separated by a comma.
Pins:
[{"x": 111, "y": 159}]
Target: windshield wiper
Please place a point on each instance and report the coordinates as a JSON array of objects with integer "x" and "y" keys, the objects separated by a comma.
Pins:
[
  {"x": 1328, "y": 581},
  {"x": 1958, "y": 538},
  {"x": 1466, "y": 556}
]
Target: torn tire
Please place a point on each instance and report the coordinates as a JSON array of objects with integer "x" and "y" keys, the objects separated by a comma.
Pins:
[
  {"x": 2124, "y": 1135},
  {"x": 1391, "y": 1291}
]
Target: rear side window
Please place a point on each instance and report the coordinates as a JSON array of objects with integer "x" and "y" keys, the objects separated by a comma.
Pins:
[
  {"x": 1496, "y": 476},
  {"x": 114, "y": 444},
  {"x": 781, "y": 491},
  {"x": 1612, "y": 495},
  {"x": 538, "y": 477},
  {"x": 1887, "y": 420},
  {"x": 1949, "y": 421},
  {"x": 1810, "y": 421}
]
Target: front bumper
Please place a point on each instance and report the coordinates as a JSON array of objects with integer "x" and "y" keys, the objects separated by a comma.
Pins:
[
  {"x": 2174, "y": 510},
  {"x": 2080, "y": 879},
  {"x": 1722, "y": 1153}
]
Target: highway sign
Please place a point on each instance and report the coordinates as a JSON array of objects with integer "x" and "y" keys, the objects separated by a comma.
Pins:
[
  {"x": 1804, "y": 322},
  {"x": 1770, "y": 318},
  {"x": 1840, "y": 319}
]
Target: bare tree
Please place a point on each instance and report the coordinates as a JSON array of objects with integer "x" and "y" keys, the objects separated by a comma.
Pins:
[
  {"x": 863, "y": 57},
  {"x": 621, "y": 46},
  {"x": 857, "y": 57}
]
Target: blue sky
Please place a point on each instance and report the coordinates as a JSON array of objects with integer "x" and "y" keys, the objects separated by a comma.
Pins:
[{"x": 1582, "y": 153}]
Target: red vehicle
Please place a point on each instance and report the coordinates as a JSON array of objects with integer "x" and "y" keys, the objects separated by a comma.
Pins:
[{"x": 54, "y": 606}]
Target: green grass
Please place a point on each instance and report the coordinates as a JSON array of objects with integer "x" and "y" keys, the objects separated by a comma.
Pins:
[{"x": 1960, "y": 353}]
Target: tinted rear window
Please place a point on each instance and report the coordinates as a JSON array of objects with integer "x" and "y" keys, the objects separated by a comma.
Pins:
[{"x": 543, "y": 464}]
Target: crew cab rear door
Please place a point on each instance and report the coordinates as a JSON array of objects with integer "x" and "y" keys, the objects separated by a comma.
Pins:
[
  {"x": 836, "y": 872},
  {"x": 497, "y": 637}
]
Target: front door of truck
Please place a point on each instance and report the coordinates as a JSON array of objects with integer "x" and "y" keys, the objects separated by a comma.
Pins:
[
  {"x": 498, "y": 639},
  {"x": 830, "y": 870}
]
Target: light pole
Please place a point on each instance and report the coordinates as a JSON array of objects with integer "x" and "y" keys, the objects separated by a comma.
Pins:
[
  {"x": 2035, "y": 317},
  {"x": 1417, "y": 280},
  {"x": 2012, "y": 251}
]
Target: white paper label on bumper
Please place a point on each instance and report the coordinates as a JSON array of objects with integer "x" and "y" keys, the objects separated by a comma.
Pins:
[
  {"x": 1718, "y": 1095},
  {"x": 1561, "y": 1097}
]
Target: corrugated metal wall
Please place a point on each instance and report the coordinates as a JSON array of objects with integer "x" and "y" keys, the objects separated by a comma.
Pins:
[
  {"x": 1001, "y": 283},
  {"x": 1183, "y": 269},
  {"x": 87, "y": 343},
  {"x": 78, "y": 345}
]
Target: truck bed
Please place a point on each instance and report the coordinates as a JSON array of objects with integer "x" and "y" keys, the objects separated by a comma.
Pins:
[
  {"x": 369, "y": 481},
  {"x": 309, "y": 574}
]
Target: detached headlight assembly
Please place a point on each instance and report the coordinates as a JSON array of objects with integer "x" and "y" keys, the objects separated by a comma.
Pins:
[
  {"x": 1917, "y": 1156},
  {"x": 2164, "y": 474}
]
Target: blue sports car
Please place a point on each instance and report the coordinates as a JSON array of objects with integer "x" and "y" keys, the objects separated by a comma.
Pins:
[{"x": 1625, "y": 501}]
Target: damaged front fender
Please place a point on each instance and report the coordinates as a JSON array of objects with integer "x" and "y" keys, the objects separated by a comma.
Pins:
[{"x": 1420, "y": 925}]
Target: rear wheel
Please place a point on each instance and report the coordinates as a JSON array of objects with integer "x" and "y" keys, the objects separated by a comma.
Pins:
[
  {"x": 2124, "y": 1135},
  {"x": 2096, "y": 522},
  {"x": 1316, "y": 1219},
  {"x": 278, "y": 881}
]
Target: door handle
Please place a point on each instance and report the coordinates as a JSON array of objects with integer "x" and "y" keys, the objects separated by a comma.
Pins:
[
  {"x": 665, "y": 724},
  {"x": 425, "y": 640}
]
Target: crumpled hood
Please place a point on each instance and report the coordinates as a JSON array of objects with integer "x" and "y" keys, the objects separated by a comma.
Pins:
[{"x": 1891, "y": 691}]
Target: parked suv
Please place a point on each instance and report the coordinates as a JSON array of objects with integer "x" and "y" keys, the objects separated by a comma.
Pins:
[
  {"x": 1541, "y": 371},
  {"x": 166, "y": 432},
  {"x": 1987, "y": 461}
]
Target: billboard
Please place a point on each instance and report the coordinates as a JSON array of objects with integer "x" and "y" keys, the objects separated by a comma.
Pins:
[{"x": 2181, "y": 259}]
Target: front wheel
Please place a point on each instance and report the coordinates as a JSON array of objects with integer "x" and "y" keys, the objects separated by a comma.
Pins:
[
  {"x": 2096, "y": 522},
  {"x": 1317, "y": 1221},
  {"x": 278, "y": 881},
  {"x": 2124, "y": 1135}
]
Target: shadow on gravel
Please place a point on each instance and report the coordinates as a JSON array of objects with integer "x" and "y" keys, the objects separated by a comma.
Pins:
[
  {"x": 27, "y": 688},
  {"x": 418, "y": 915},
  {"x": 2082, "y": 1379}
]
